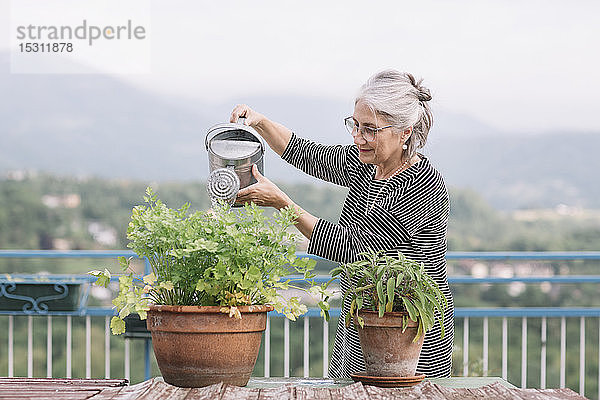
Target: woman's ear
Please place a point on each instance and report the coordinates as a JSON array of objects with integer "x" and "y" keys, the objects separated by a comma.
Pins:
[{"x": 406, "y": 134}]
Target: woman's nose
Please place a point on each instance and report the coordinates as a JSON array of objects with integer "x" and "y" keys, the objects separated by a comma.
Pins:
[{"x": 359, "y": 139}]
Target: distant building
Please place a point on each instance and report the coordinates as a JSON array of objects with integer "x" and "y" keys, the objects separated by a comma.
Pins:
[
  {"x": 103, "y": 234},
  {"x": 72, "y": 200}
]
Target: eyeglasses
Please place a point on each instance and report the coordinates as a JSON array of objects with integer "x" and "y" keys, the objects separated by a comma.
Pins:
[{"x": 367, "y": 132}]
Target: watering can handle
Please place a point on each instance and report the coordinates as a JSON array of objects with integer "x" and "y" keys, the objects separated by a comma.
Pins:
[{"x": 241, "y": 121}]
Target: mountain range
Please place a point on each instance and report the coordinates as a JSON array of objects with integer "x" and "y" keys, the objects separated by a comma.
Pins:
[{"x": 99, "y": 125}]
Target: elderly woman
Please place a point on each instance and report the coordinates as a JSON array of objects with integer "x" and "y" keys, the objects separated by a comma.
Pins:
[{"x": 397, "y": 200}]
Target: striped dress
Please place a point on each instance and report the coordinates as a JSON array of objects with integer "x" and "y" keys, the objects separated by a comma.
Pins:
[{"x": 409, "y": 214}]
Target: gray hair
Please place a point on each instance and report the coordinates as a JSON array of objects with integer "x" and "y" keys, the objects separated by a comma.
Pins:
[{"x": 402, "y": 100}]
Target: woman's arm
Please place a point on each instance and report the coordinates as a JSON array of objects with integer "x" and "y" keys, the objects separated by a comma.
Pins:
[
  {"x": 378, "y": 229},
  {"x": 276, "y": 135},
  {"x": 266, "y": 193},
  {"x": 326, "y": 162}
]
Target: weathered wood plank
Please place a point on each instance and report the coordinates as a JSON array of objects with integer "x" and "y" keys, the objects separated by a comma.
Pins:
[
  {"x": 64, "y": 381},
  {"x": 285, "y": 392},
  {"x": 47, "y": 395},
  {"x": 13, "y": 387},
  {"x": 563, "y": 393},
  {"x": 212, "y": 392},
  {"x": 430, "y": 391},
  {"x": 355, "y": 391},
  {"x": 125, "y": 393},
  {"x": 161, "y": 390},
  {"x": 230, "y": 392},
  {"x": 308, "y": 393},
  {"x": 56, "y": 388},
  {"x": 108, "y": 393},
  {"x": 377, "y": 393}
]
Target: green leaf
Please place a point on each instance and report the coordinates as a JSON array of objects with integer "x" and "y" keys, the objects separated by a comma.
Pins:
[
  {"x": 389, "y": 307},
  {"x": 359, "y": 302},
  {"x": 254, "y": 273},
  {"x": 391, "y": 286},
  {"x": 412, "y": 312},
  {"x": 348, "y": 317},
  {"x": 103, "y": 277},
  {"x": 117, "y": 326},
  {"x": 123, "y": 262},
  {"x": 141, "y": 310},
  {"x": 200, "y": 285},
  {"x": 361, "y": 321},
  {"x": 399, "y": 279},
  {"x": 380, "y": 295},
  {"x": 324, "y": 305}
]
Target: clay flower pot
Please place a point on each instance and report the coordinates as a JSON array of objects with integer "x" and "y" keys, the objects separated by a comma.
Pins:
[
  {"x": 198, "y": 346},
  {"x": 388, "y": 351}
]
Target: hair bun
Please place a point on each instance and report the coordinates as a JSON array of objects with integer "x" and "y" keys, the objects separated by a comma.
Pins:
[{"x": 424, "y": 94}]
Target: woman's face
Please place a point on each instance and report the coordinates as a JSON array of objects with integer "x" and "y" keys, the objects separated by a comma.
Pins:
[{"x": 386, "y": 149}]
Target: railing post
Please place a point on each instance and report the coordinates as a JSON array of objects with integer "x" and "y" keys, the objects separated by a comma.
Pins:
[
  {"x": 29, "y": 346},
  {"x": 485, "y": 346},
  {"x": 582, "y": 356},
  {"x": 107, "y": 347},
  {"x": 11, "y": 348},
  {"x": 563, "y": 350},
  {"x": 543, "y": 355},
  {"x": 127, "y": 360},
  {"x": 88, "y": 347},
  {"x": 325, "y": 348},
  {"x": 504, "y": 348},
  {"x": 268, "y": 348},
  {"x": 69, "y": 345},
  {"x": 466, "y": 346},
  {"x": 286, "y": 348},
  {"x": 147, "y": 355},
  {"x": 306, "y": 348},
  {"x": 524, "y": 352},
  {"x": 49, "y": 347}
]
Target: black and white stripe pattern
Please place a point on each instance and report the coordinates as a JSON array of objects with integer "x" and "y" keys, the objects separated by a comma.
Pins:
[{"x": 409, "y": 215}]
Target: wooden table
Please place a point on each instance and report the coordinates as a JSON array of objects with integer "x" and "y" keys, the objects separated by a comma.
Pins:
[{"x": 270, "y": 388}]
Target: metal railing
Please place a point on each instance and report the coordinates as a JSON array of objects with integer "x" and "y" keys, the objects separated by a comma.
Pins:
[{"x": 468, "y": 316}]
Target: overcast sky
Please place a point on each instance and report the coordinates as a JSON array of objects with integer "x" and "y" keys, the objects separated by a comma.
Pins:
[{"x": 515, "y": 65}]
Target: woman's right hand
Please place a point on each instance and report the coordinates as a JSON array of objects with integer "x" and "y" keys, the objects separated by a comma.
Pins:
[
  {"x": 276, "y": 135},
  {"x": 253, "y": 118}
]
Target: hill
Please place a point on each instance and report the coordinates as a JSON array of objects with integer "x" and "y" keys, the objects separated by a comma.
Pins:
[
  {"x": 51, "y": 212},
  {"x": 96, "y": 125}
]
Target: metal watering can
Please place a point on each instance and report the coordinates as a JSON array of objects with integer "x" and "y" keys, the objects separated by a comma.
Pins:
[{"x": 232, "y": 150}]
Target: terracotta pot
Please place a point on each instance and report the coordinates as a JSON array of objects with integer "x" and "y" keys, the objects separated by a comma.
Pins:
[
  {"x": 198, "y": 346},
  {"x": 388, "y": 351}
]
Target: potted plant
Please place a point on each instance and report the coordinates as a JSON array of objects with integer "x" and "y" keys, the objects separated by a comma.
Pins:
[
  {"x": 215, "y": 275},
  {"x": 394, "y": 302}
]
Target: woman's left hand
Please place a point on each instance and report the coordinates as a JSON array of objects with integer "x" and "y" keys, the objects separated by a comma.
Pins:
[{"x": 263, "y": 193}]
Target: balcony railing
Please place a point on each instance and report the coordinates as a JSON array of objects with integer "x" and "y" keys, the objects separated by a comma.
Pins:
[{"x": 529, "y": 318}]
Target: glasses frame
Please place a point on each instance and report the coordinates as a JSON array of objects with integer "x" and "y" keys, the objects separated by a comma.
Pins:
[{"x": 365, "y": 131}]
